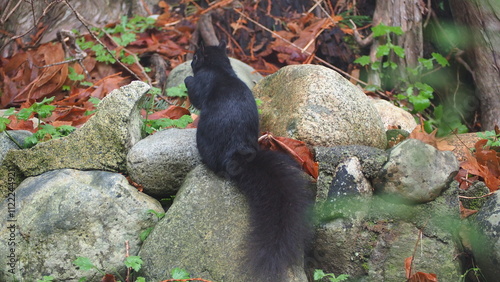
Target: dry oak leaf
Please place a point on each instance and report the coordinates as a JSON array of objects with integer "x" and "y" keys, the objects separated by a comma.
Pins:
[
  {"x": 430, "y": 138},
  {"x": 296, "y": 149},
  {"x": 419, "y": 276},
  {"x": 485, "y": 163}
]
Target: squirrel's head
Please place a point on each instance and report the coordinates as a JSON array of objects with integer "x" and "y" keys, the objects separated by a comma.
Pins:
[{"x": 210, "y": 56}]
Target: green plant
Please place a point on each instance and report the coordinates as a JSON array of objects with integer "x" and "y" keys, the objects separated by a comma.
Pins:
[
  {"x": 382, "y": 30},
  {"x": 158, "y": 124},
  {"x": 94, "y": 101},
  {"x": 475, "y": 270},
  {"x": 122, "y": 34},
  {"x": 492, "y": 137},
  {"x": 417, "y": 94},
  {"x": 40, "y": 110},
  {"x": 72, "y": 75},
  {"x": 4, "y": 121},
  {"x": 47, "y": 132},
  {"x": 133, "y": 262},
  {"x": 159, "y": 215},
  {"x": 144, "y": 234},
  {"x": 320, "y": 274},
  {"x": 177, "y": 91},
  {"x": 179, "y": 273}
]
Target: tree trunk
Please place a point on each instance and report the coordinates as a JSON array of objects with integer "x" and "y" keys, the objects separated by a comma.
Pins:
[
  {"x": 482, "y": 17},
  {"x": 407, "y": 15}
]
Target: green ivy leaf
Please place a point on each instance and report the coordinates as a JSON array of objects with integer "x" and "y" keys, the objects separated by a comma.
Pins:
[
  {"x": 65, "y": 130},
  {"x": 419, "y": 102},
  {"x": 135, "y": 262},
  {"x": 427, "y": 63},
  {"x": 440, "y": 59},
  {"x": 380, "y": 30},
  {"x": 383, "y": 50},
  {"x": 425, "y": 90},
  {"x": 144, "y": 234},
  {"x": 318, "y": 274},
  {"x": 178, "y": 273},
  {"x": 159, "y": 215},
  {"x": 127, "y": 38},
  {"x": 72, "y": 75},
  {"x": 396, "y": 30},
  {"x": 3, "y": 123},
  {"x": 129, "y": 60},
  {"x": 375, "y": 66},
  {"x": 363, "y": 60},
  {"x": 438, "y": 112},
  {"x": 83, "y": 263},
  {"x": 177, "y": 91},
  {"x": 94, "y": 100},
  {"x": 399, "y": 51},
  {"x": 45, "y": 111}
]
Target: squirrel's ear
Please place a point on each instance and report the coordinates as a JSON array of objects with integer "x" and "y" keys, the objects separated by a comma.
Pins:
[
  {"x": 201, "y": 46},
  {"x": 222, "y": 44}
]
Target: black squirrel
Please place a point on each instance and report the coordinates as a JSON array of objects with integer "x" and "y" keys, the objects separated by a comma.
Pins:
[{"x": 272, "y": 182}]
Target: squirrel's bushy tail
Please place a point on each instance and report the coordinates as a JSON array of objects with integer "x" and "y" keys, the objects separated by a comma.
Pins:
[{"x": 279, "y": 204}]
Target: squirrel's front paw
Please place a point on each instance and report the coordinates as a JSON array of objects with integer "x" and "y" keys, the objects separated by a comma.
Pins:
[{"x": 188, "y": 80}]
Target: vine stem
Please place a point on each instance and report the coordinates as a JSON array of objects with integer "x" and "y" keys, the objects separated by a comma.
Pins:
[{"x": 13, "y": 139}]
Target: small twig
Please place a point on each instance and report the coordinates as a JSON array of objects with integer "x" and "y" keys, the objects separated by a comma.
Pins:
[
  {"x": 127, "y": 254},
  {"x": 13, "y": 139},
  {"x": 414, "y": 251},
  {"x": 220, "y": 4},
  {"x": 6, "y": 17},
  {"x": 483, "y": 196},
  {"x": 363, "y": 42}
]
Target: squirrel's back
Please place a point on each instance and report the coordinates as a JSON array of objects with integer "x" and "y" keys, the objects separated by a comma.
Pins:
[{"x": 227, "y": 139}]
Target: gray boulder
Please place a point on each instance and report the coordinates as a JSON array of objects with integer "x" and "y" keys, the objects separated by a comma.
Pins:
[
  {"x": 160, "y": 162},
  {"x": 317, "y": 105},
  {"x": 334, "y": 161},
  {"x": 416, "y": 172},
  {"x": 485, "y": 242},
  {"x": 369, "y": 238},
  {"x": 393, "y": 116},
  {"x": 101, "y": 143},
  {"x": 63, "y": 214},
  {"x": 203, "y": 232},
  {"x": 243, "y": 71}
]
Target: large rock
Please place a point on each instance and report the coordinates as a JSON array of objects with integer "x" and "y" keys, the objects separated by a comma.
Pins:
[
  {"x": 63, "y": 214},
  {"x": 486, "y": 244},
  {"x": 161, "y": 161},
  {"x": 416, "y": 172},
  {"x": 101, "y": 143},
  {"x": 203, "y": 232},
  {"x": 334, "y": 161},
  {"x": 243, "y": 71},
  {"x": 317, "y": 105},
  {"x": 369, "y": 238},
  {"x": 394, "y": 117}
]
